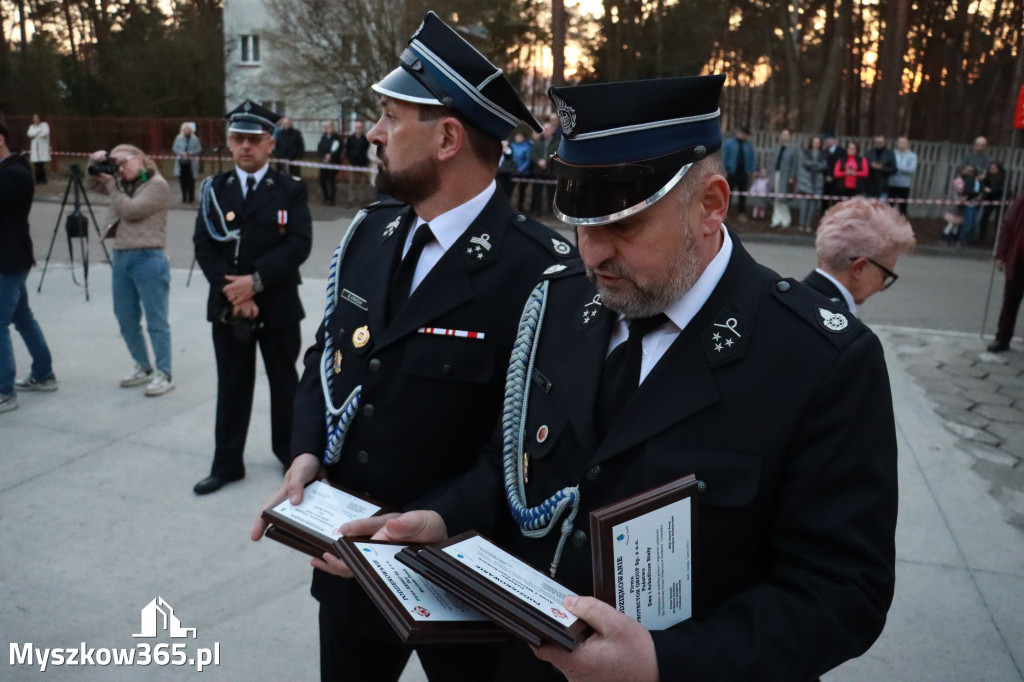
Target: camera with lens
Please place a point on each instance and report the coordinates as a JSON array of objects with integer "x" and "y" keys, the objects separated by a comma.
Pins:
[{"x": 105, "y": 166}]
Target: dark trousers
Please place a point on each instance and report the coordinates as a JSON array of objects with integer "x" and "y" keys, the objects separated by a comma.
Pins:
[
  {"x": 236, "y": 378},
  {"x": 328, "y": 184},
  {"x": 1013, "y": 292},
  {"x": 357, "y": 644},
  {"x": 900, "y": 193},
  {"x": 40, "y": 172},
  {"x": 187, "y": 182},
  {"x": 739, "y": 182}
]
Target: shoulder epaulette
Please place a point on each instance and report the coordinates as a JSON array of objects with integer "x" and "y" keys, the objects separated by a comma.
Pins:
[
  {"x": 545, "y": 236},
  {"x": 838, "y": 325},
  {"x": 565, "y": 269}
]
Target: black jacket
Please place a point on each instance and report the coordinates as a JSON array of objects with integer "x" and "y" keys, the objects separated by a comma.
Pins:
[
  {"x": 289, "y": 144},
  {"x": 17, "y": 190},
  {"x": 277, "y": 235},
  {"x": 827, "y": 288},
  {"x": 790, "y": 428}
]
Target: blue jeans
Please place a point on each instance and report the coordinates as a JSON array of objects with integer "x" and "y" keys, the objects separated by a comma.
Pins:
[
  {"x": 14, "y": 308},
  {"x": 970, "y": 224},
  {"x": 142, "y": 282}
]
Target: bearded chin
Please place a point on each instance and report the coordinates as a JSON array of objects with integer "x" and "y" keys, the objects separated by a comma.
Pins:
[
  {"x": 644, "y": 299},
  {"x": 412, "y": 185}
]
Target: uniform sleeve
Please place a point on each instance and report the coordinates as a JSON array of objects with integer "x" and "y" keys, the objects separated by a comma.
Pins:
[
  {"x": 309, "y": 432},
  {"x": 831, "y": 580},
  {"x": 278, "y": 265},
  {"x": 213, "y": 259}
]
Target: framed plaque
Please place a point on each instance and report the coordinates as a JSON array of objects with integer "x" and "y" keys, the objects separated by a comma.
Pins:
[
  {"x": 513, "y": 594},
  {"x": 420, "y": 611},
  {"x": 642, "y": 553},
  {"x": 310, "y": 526}
]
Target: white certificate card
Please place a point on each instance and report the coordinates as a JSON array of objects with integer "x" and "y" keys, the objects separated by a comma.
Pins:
[
  {"x": 514, "y": 576},
  {"x": 653, "y": 569},
  {"x": 424, "y": 600},
  {"x": 324, "y": 508}
]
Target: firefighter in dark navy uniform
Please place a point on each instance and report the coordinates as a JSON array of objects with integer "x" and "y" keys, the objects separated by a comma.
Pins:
[
  {"x": 252, "y": 233},
  {"x": 424, "y": 297},
  {"x": 670, "y": 352}
]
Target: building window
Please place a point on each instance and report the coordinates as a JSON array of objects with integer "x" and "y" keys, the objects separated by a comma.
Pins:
[{"x": 250, "y": 49}]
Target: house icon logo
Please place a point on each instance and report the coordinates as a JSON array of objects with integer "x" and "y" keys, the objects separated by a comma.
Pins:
[{"x": 159, "y": 615}]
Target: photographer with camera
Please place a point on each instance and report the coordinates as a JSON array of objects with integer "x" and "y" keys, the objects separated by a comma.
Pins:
[{"x": 137, "y": 222}]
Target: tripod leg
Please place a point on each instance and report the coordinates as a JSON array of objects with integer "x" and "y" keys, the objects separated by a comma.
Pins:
[
  {"x": 95, "y": 223},
  {"x": 49, "y": 251},
  {"x": 82, "y": 243},
  {"x": 190, "y": 269}
]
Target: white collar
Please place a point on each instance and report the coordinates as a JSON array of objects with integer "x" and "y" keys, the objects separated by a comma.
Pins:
[
  {"x": 843, "y": 290},
  {"x": 684, "y": 310},
  {"x": 257, "y": 176},
  {"x": 450, "y": 225}
]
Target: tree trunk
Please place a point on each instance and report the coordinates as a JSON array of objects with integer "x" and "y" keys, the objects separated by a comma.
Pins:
[
  {"x": 557, "y": 43},
  {"x": 889, "y": 78},
  {"x": 832, "y": 69}
]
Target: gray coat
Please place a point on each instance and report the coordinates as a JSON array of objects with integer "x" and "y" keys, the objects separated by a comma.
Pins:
[
  {"x": 810, "y": 178},
  {"x": 187, "y": 145}
]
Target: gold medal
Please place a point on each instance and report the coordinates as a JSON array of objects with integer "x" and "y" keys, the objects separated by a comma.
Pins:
[
  {"x": 337, "y": 362},
  {"x": 361, "y": 336},
  {"x": 229, "y": 216}
]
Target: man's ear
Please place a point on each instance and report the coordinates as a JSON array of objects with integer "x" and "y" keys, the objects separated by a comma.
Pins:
[
  {"x": 452, "y": 138},
  {"x": 714, "y": 193}
]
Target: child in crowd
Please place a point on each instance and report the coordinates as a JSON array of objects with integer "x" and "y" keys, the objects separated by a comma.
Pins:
[{"x": 759, "y": 204}]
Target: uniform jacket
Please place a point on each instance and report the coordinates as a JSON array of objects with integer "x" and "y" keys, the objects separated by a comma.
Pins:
[
  {"x": 790, "y": 428},
  {"x": 428, "y": 401},
  {"x": 827, "y": 288},
  {"x": 1011, "y": 237},
  {"x": 274, "y": 244},
  {"x": 16, "y": 192}
]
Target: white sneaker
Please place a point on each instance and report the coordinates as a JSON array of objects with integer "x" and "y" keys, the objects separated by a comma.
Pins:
[
  {"x": 8, "y": 402},
  {"x": 161, "y": 383},
  {"x": 140, "y": 376}
]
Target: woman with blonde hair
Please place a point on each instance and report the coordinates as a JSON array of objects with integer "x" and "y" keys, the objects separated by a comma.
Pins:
[
  {"x": 187, "y": 149},
  {"x": 137, "y": 222}
]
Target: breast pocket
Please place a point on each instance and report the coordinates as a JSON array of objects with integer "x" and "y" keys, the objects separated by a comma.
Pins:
[
  {"x": 448, "y": 358},
  {"x": 731, "y": 478}
]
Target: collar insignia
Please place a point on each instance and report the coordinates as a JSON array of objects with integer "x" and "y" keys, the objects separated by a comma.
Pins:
[
  {"x": 561, "y": 248},
  {"x": 390, "y": 228},
  {"x": 833, "y": 322},
  {"x": 478, "y": 248},
  {"x": 555, "y": 268},
  {"x": 726, "y": 337}
]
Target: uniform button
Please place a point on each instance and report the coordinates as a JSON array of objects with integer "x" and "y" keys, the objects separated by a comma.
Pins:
[
  {"x": 368, "y": 410},
  {"x": 702, "y": 487},
  {"x": 363, "y": 456},
  {"x": 782, "y": 286},
  {"x": 375, "y": 365},
  {"x": 520, "y": 218},
  {"x": 593, "y": 472},
  {"x": 446, "y": 368},
  {"x": 579, "y": 539}
]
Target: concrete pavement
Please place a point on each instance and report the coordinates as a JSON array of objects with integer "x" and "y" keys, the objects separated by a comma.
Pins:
[{"x": 98, "y": 517}]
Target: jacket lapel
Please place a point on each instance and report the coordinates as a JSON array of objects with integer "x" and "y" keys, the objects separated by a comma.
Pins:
[
  {"x": 372, "y": 275},
  {"x": 683, "y": 381},
  {"x": 261, "y": 193}
]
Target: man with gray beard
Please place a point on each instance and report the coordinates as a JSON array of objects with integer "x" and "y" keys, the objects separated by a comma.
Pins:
[{"x": 668, "y": 351}]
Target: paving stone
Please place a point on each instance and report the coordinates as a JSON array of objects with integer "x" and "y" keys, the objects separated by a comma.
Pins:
[
  {"x": 1008, "y": 381},
  {"x": 972, "y": 434},
  {"x": 970, "y": 384},
  {"x": 989, "y": 453},
  {"x": 964, "y": 417},
  {"x": 1013, "y": 499},
  {"x": 989, "y": 398},
  {"x": 955, "y": 401},
  {"x": 939, "y": 386},
  {"x": 1000, "y": 413},
  {"x": 926, "y": 370},
  {"x": 966, "y": 371},
  {"x": 1012, "y": 435}
]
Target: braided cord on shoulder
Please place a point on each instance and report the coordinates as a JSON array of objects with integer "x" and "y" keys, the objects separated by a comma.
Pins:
[
  {"x": 338, "y": 418},
  {"x": 207, "y": 200},
  {"x": 536, "y": 521}
]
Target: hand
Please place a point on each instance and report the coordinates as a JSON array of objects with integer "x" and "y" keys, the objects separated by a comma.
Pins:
[
  {"x": 619, "y": 649},
  {"x": 249, "y": 310},
  {"x": 238, "y": 289},
  {"x": 419, "y": 526},
  {"x": 304, "y": 469},
  {"x": 1000, "y": 264},
  {"x": 98, "y": 156}
]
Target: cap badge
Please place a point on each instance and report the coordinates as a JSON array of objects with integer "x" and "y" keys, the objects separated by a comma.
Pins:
[
  {"x": 247, "y": 106},
  {"x": 361, "y": 336},
  {"x": 566, "y": 115},
  {"x": 555, "y": 268},
  {"x": 561, "y": 247},
  {"x": 833, "y": 322}
]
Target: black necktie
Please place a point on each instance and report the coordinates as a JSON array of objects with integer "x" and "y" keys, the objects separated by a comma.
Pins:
[
  {"x": 401, "y": 283},
  {"x": 250, "y": 185},
  {"x": 621, "y": 374}
]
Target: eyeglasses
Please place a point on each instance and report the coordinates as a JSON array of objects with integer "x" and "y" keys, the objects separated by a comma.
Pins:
[
  {"x": 890, "y": 276},
  {"x": 124, "y": 162},
  {"x": 253, "y": 138}
]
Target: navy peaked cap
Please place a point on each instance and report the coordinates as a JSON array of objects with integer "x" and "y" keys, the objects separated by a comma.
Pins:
[
  {"x": 625, "y": 145},
  {"x": 441, "y": 68},
  {"x": 249, "y": 117}
]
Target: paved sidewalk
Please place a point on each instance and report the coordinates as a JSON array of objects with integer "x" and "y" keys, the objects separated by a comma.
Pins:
[{"x": 99, "y": 518}]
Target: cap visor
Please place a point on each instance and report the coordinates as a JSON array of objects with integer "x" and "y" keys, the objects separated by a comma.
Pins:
[
  {"x": 399, "y": 84},
  {"x": 596, "y": 202}
]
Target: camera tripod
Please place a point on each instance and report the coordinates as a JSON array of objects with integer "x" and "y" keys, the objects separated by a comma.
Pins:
[{"x": 77, "y": 228}]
